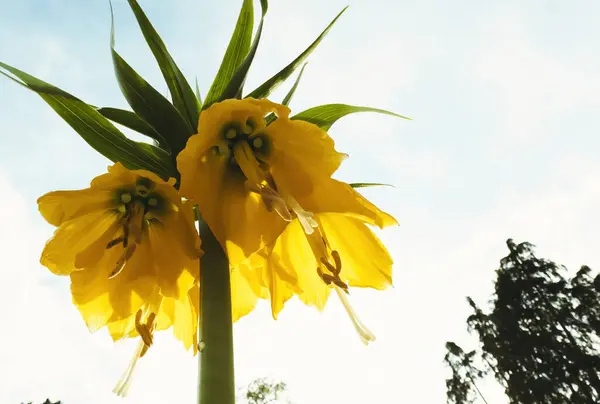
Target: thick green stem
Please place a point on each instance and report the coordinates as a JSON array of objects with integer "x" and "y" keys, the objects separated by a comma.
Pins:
[{"x": 215, "y": 363}]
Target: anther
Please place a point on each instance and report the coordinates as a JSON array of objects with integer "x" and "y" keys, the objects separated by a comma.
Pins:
[
  {"x": 122, "y": 208},
  {"x": 257, "y": 142},
  {"x": 231, "y": 134},
  {"x": 114, "y": 242},
  {"x": 126, "y": 197},
  {"x": 141, "y": 190},
  {"x": 337, "y": 260},
  {"x": 152, "y": 201}
]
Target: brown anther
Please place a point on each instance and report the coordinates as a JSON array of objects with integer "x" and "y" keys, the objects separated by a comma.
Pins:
[
  {"x": 145, "y": 329},
  {"x": 337, "y": 260},
  {"x": 335, "y": 271},
  {"x": 122, "y": 261},
  {"x": 114, "y": 242},
  {"x": 338, "y": 282},
  {"x": 327, "y": 279},
  {"x": 328, "y": 265}
]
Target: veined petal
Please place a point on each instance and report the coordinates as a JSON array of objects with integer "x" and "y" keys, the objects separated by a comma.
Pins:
[
  {"x": 60, "y": 206},
  {"x": 332, "y": 196},
  {"x": 248, "y": 225},
  {"x": 301, "y": 153},
  {"x": 176, "y": 270},
  {"x": 73, "y": 237},
  {"x": 243, "y": 295},
  {"x": 182, "y": 315},
  {"x": 292, "y": 252},
  {"x": 102, "y": 299},
  {"x": 366, "y": 261}
]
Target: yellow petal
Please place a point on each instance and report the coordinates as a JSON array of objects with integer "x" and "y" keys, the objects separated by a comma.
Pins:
[
  {"x": 332, "y": 196},
  {"x": 301, "y": 153},
  {"x": 243, "y": 296},
  {"x": 185, "y": 318},
  {"x": 73, "y": 237},
  {"x": 173, "y": 265},
  {"x": 60, "y": 206},
  {"x": 365, "y": 260},
  {"x": 101, "y": 299},
  {"x": 292, "y": 252}
]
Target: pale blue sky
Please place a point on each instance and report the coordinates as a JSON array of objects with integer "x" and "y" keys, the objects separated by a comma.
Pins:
[{"x": 504, "y": 143}]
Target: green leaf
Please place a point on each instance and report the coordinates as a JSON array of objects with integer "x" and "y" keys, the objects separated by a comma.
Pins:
[
  {"x": 181, "y": 92},
  {"x": 368, "y": 184},
  {"x": 236, "y": 85},
  {"x": 198, "y": 93},
  {"x": 286, "y": 100},
  {"x": 94, "y": 128},
  {"x": 132, "y": 121},
  {"x": 149, "y": 104},
  {"x": 324, "y": 116},
  {"x": 238, "y": 48},
  {"x": 290, "y": 94},
  {"x": 265, "y": 89}
]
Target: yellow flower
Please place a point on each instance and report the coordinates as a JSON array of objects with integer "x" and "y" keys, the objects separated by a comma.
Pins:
[
  {"x": 127, "y": 243},
  {"x": 342, "y": 251},
  {"x": 247, "y": 177}
]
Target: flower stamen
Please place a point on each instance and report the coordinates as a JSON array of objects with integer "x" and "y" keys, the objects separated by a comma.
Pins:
[
  {"x": 133, "y": 209},
  {"x": 146, "y": 333},
  {"x": 366, "y": 336}
]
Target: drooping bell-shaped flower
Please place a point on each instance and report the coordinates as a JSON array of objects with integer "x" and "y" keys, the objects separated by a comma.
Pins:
[
  {"x": 127, "y": 242},
  {"x": 247, "y": 175}
]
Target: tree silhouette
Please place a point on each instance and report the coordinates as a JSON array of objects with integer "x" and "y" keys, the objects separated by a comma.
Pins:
[
  {"x": 541, "y": 338},
  {"x": 264, "y": 391}
]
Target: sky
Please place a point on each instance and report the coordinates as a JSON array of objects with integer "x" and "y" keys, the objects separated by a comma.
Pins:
[{"x": 503, "y": 143}]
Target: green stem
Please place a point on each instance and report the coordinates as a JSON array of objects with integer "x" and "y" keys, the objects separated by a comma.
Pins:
[{"x": 215, "y": 363}]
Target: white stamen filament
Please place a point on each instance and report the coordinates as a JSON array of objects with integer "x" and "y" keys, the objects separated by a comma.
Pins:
[
  {"x": 306, "y": 218},
  {"x": 364, "y": 333},
  {"x": 124, "y": 382}
]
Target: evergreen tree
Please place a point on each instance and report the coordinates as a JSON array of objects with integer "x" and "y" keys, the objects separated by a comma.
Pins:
[{"x": 540, "y": 339}]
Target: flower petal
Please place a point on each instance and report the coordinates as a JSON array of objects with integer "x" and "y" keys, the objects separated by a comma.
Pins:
[
  {"x": 102, "y": 299},
  {"x": 365, "y": 260},
  {"x": 73, "y": 237},
  {"x": 302, "y": 153},
  {"x": 292, "y": 252},
  {"x": 332, "y": 196},
  {"x": 60, "y": 206}
]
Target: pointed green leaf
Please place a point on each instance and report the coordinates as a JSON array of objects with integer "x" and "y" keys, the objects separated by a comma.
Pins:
[
  {"x": 288, "y": 97},
  {"x": 149, "y": 104},
  {"x": 236, "y": 85},
  {"x": 324, "y": 116},
  {"x": 132, "y": 121},
  {"x": 94, "y": 128},
  {"x": 198, "y": 94},
  {"x": 181, "y": 92},
  {"x": 368, "y": 184},
  {"x": 238, "y": 48},
  {"x": 265, "y": 89},
  {"x": 290, "y": 94}
]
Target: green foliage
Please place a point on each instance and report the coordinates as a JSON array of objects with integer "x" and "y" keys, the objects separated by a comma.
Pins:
[
  {"x": 540, "y": 339},
  {"x": 149, "y": 104},
  {"x": 94, "y": 128},
  {"x": 265, "y": 89},
  {"x": 182, "y": 94},
  {"x": 264, "y": 391},
  {"x": 290, "y": 94},
  {"x": 236, "y": 52},
  {"x": 236, "y": 84},
  {"x": 324, "y": 116}
]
